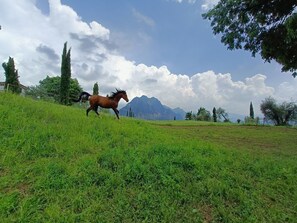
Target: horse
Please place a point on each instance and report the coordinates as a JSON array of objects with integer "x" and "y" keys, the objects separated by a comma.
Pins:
[
  {"x": 84, "y": 96},
  {"x": 104, "y": 102}
]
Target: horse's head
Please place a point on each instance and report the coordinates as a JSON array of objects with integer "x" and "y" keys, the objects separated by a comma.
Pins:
[
  {"x": 120, "y": 94},
  {"x": 125, "y": 97}
]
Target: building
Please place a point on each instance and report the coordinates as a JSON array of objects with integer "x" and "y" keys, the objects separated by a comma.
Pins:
[{"x": 23, "y": 87}]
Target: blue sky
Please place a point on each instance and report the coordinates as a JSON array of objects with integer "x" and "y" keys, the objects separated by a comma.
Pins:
[
  {"x": 147, "y": 47},
  {"x": 171, "y": 33}
]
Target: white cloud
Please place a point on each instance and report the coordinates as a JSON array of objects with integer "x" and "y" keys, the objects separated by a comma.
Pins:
[
  {"x": 287, "y": 91},
  {"x": 36, "y": 45},
  {"x": 142, "y": 18},
  {"x": 208, "y": 4},
  {"x": 189, "y": 1}
]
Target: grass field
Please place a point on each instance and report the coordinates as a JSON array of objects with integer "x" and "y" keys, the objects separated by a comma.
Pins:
[{"x": 57, "y": 165}]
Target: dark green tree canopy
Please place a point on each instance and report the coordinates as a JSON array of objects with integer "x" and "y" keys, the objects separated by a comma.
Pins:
[
  {"x": 49, "y": 89},
  {"x": 96, "y": 89},
  {"x": 189, "y": 116},
  {"x": 252, "y": 114},
  {"x": 265, "y": 27},
  {"x": 11, "y": 75},
  {"x": 65, "y": 75},
  {"x": 214, "y": 114}
]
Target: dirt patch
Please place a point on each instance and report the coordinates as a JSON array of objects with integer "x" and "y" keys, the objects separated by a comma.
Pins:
[{"x": 206, "y": 211}]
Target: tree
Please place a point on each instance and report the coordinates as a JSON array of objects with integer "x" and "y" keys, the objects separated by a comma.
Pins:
[
  {"x": 49, "y": 89},
  {"x": 74, "y": 90},
  {"x": 12, "y": 77},
  {"x": 188, "y": 116},
  {"x": 280, "y": 114},
  {"x": 222, "y": 113},
  {"x": 96, "y": 89},
  {"x": 203, "y": 115},
  {"x": 51, "y": 86},
  {"x": 214, "y": 114},
  {"x": 130, "y": 113},
  {"x": 65, "y": 75},
  {"x": 252, "y": 115},
  {"x": 267, "y": 27}
]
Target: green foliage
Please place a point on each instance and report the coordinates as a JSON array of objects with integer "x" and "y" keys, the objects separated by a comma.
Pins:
[
  {"x": 49, "y": 89},
  {"x": 203, "y": 115},
  {"x": 252, "y": 114},
  {"x": 280, "y": 114},
  {"x": 130, "y": 113},
  {"x": 189, "y": 116},
  {"x": 96, "y": 89},
  {"x": 57, "y": 165},
  {"x": 65, "y": 76},
  {"x": 268, "y": 27},
  {"x": 12, "y": 77},
  {"x": 251, "y": 121},
  {"x": 214, "y": 114},
  {"x": 221, "y": 113}
]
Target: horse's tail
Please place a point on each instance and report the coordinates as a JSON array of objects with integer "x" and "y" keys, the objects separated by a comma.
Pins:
[{"x": 83, "y": 95}]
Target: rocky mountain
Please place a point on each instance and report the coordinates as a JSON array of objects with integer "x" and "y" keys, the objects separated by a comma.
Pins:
[{"x": 151, "y": 109}]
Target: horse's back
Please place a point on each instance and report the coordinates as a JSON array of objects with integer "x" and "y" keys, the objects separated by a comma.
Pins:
[
  {"x": 95, "y": 99},
  {"x": 103, "y": 102}
]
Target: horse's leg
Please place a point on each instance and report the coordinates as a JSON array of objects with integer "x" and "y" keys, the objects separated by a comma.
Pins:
[
  {"x": 116, "y": 111},
  {"x": 89, "y": 109},
  {"x": 96, "y": 109}
]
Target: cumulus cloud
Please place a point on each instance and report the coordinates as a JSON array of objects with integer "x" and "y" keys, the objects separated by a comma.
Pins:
[
  {"x": 49, "y": 52},
  {"x": 37, "y": 43},
  {"x": 287, "y": 91}
]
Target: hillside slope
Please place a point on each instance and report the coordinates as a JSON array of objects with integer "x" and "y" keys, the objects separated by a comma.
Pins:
[{"x": 57, "y": 165}]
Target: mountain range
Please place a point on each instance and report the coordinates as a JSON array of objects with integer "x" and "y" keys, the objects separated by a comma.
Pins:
[{"x": 151, "y": 109}]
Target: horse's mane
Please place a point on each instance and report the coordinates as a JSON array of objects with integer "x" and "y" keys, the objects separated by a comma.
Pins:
[{"x": 114, "y": 94}]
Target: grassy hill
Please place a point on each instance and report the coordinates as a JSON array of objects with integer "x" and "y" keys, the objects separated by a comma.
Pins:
[{"x": 57, "y": 165}]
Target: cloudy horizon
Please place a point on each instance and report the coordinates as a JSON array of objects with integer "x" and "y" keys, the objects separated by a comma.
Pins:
[{"x": 35, "y": 39}]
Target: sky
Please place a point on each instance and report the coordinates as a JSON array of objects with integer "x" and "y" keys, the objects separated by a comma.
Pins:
[{"x": 157, "y": 48}]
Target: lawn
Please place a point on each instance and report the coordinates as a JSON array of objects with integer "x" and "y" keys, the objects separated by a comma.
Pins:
[{"x": 57, "y": 165}]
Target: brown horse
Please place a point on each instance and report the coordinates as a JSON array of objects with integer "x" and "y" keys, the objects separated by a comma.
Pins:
[{"x": 104, "y": 102}]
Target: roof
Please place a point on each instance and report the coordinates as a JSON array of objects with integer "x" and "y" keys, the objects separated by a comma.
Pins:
[{"x": 21, "y": 85}]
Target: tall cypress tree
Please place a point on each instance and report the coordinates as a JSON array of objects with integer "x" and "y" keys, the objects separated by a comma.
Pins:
[
  {"x": 12, "y": 78},
  {"x": 252, "y": 115},
  {"x": 65, "y": 75},
  {"x": 214, "y": 114},
  {"x": 96, "y": 89}
]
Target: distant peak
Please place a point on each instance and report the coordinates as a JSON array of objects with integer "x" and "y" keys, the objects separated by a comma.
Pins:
[{"x": 147, "y": 98}]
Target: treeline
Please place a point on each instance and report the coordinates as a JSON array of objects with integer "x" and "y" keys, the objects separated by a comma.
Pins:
[
  {"x": 49, "y": 89},
  {"x": 204, "y": 115},
  {"x": 279, "y": 114},
  {"x": 61, "y": 89}
]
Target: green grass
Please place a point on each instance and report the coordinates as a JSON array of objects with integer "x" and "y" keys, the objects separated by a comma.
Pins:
[
  {"x": 257, "y": 139},
  {"x": 57, "y": 165}
]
